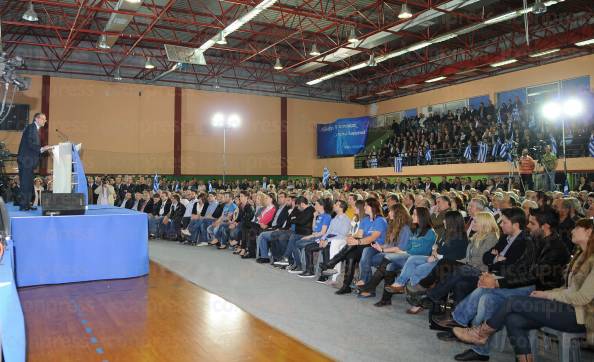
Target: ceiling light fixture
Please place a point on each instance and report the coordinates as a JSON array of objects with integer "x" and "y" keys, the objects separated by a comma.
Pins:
[
  {"x": 546, "y": 52},
  {"x": 116, "y": 75},
  {"x": 149, "y": 64},
  {"x": 353, "y": 36},
  {"x": 539, "y": 7},
  {"x": 505, "y": 62},
  {"x": 102, "y": 43},
  {"x": 371, "y": 62},
  {"x": 585, "y": 42},
  {"x": 30, "y": 14},
  {"x": 435, "y": 79},
  {"x": 278, "y": 65},
  {"x": 221, "y": 39},
  {"x": 314, "y": 50},
  {"x": 405, "y": 12}
]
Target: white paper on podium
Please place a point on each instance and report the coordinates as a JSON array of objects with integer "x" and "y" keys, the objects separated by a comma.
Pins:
[{"x": 62, "y": 168}]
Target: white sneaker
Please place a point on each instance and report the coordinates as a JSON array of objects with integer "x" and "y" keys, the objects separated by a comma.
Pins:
[
  {"x": 186, "y": 232},
  {"x": 202, "y": 244}
]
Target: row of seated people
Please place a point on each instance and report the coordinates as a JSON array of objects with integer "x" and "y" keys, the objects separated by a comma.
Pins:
[{"x": 498, "y": 265}]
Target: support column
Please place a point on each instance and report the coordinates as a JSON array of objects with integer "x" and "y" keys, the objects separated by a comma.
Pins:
[
  {"x": 45, "y": 109},
  {"x": 284, "y": 159},
  {"x": 177, "y": 132}
]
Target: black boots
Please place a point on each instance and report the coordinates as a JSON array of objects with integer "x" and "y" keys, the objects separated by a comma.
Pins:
[
  {"x": 349, "y": 274},
  {"x": 376, "y": 278}
]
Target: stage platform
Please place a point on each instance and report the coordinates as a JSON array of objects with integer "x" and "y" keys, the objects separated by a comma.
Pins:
[{"x": 105, "y": 243}]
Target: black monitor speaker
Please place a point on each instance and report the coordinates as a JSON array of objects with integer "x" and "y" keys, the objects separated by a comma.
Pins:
[{"x": 63, "y": 204}]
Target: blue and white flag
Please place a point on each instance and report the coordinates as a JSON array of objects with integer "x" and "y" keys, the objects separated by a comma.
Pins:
[
  {"x": 325, "y": 176},
  {"x": 468, "y": 152},
  {"x": 495, "y": 150},
  {"x": 499, "y": 116},
  {"x": 553, "y": 145},
  {"x": 398, "y": 164},
  {"x": 482, "y": 152},
  {"x": 591, "y": 146},
  {"x": 566, "y": 187},
  {"x": 504, "y": 151},
  {"x": 79, "y": 170},
  {"x": 428, "y": 154},
  {"x": 210, "y": 189},
  {"x": 516, "y": 114},
  {"x": 156, "y": 183}
]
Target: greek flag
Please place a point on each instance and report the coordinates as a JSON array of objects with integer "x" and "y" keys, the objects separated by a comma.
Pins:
[
  {"x": 210, "y": 189},
  {"x": 427, "y": 154},
  {"x": 495, "y": 150},
  {"x": 591, "y": 146},
  {"x": 499, "y": 116},
  {"x": 516, "y": 115},
  {"x": 482, "y": 152},
  {"x": 566, "y": 187},
  {"x": 156, "y": 183},
  {"x": 553, "y": 145},
  {"x": 325, "y": 176},
  {"x": 503, "y": 150},
  {"x": 468, "y": 152},
  {"x": 398, "y": 164}
]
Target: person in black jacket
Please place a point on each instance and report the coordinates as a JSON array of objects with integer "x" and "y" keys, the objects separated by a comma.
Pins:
[
  {"x": 161, "y": 209},
  {"x": 540, "y": 267},
  {"x": 303, "y": 223},
  {"x": 172, "y": 222},
  {"x": 280, "y": 238},
  {"x": 29, "y": 153}
]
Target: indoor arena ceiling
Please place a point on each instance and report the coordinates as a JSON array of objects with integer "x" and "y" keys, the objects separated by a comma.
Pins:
[{"x": 460, "y": 40}]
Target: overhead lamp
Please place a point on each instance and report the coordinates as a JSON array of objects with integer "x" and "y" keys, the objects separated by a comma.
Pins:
[
  {"x": 221, "y": 39},
  {"x": 405, "y": 12},
  {"x": 505, "y": 62},
  {"x": 443, "y": 38},
  {"x": 278, "y": 65},
  {"x": 216, "y": 85},
  {"x": 418, "y": 46},
  {"x": 149, "y": 64},
  {"x": 539, "y": 7},
  {"x": 546, "y": 52},
  {"x": 314, "y": 50},
  {"x": 102, "y": 43},
  {"x": 116, "y": 75},
  {"x": 585, "y": 42},
  {"x": 435, "y": 79},
  {"x": 353, "y": 36},
  {"x": 409, "y": 86},
  {"x": 500, "y": 18},
  {"x": 371, "y": 62},
  {"x": 30, "y": 14}
]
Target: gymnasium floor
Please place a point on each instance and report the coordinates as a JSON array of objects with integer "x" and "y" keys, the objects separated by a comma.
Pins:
[{"x": 161, "y": 317}]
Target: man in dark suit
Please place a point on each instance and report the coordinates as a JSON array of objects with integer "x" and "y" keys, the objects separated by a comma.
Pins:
[{"x": 28, "y": 158}]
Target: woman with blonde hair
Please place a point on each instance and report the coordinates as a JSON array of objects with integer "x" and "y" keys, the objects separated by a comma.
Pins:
[{"x": 462, "y": 277}]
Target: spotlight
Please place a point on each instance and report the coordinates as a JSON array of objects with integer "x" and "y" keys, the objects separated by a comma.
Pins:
[
  {"x": 218, "y": 120},
  {"x": 233, "y": 121},
  {"x": 573, "y": 107},
  {"x": 221, "y": 39},
  {"x": 371, "y": 62}
]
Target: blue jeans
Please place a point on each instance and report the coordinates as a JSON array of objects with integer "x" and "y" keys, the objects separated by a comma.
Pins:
[
  {"x": 223, "y": 233},
  {"x": 415, "y": 269},
  {"x": 194, "y": 229},
  {"x": 154, "y": 223},
  {"x": 371, "y": 257},
  {"x": 482, "y": 304},
  {"x": 262, "y": 242},
  {"x": 550, "y": 179},
  {"x": 202, "y": 234},
  {"x": 292, "y": 251},
  {"x": 397, "y": 261}
]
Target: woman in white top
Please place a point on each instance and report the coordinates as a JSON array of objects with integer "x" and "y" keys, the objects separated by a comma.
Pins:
[{"x": 106, "y": 193}]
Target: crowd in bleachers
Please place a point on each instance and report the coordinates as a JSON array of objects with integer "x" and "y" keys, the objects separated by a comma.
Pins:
[{"x": 448, "y": 135}]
